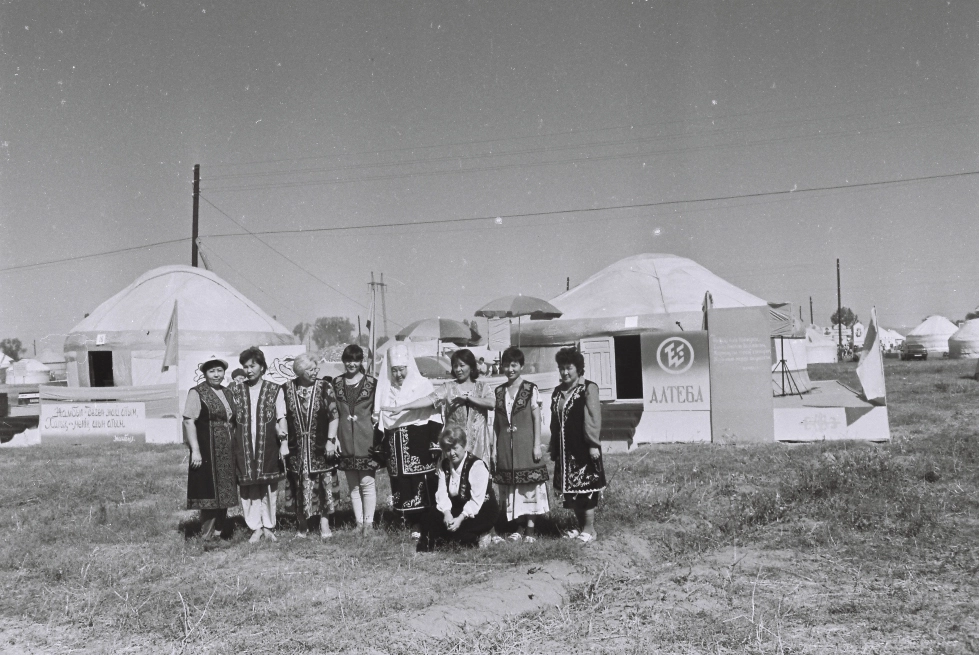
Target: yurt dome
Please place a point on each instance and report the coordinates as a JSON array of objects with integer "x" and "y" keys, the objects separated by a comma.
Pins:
[
  {"x": 647, "y": 291},
  {"x": 964, "y": 344},
  {"x": 933, "y": 334},
  {"x": 212, "y": 316},
  {"x": 28, "y": 371}
]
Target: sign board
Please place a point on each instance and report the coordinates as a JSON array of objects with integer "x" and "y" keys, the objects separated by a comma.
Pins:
[
  {"x": 675, "y": 371},
  {"x": 742, "y": 410},
  {"x": 77, "y": 423}
]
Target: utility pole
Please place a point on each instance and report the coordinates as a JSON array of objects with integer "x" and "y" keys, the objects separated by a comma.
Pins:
[
  {"x": 839, "y": 310},
  {"x": 384, "y": 303},
  {"x": 811, "y": 322},
  {"x": 197, "y": 194},
  {"x": 567, "y": 284}
]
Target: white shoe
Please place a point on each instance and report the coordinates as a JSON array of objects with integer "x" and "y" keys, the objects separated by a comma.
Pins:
[
  {"x": 584, "y": 537},
  {"x": 570, "y": 534},
  {"x": 256, "y": 536},
  {"x": 269, "y": 534}
]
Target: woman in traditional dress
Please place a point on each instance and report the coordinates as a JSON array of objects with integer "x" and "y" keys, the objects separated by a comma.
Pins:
[
  {"x": 208, "y": 416},
  {"x": 465, "y": 402},
  {"x": 354, "y": 392},
  {"x": 465, "y": 505},
  {"x": 576, "y": 447},
  {"x": 261, "y": 443},
  {"x": 312, "y": 418},
  {"x": 518, "y": 468},
  {"x": 410, "y": 439}
]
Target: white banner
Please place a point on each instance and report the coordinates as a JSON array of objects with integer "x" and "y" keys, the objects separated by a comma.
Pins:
[{"x": 93, "y": 423}]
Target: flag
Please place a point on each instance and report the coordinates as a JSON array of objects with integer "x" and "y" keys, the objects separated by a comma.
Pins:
[
  {"x": 870, "y": 370},
  {"x": 171, "y": 355}
]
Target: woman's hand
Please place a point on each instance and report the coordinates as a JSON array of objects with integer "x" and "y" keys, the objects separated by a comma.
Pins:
[
  {"x": 595, "y": 453},
  {"x": 391, "y": 410},
  {"x": 447, "y": 518},
  {"x": 537, "y": 453},
  {"x": 284, "y": 449},
  {"x": 454, "y": 524},
  {"x": 195, "y": 459},
  {"x": 331, "y": 449}
]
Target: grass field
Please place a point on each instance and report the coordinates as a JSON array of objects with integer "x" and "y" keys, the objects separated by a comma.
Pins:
[{"x": 826, "y": 548}]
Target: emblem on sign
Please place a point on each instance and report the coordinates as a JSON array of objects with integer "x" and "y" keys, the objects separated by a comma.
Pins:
[{"x": 675, "y": 355}]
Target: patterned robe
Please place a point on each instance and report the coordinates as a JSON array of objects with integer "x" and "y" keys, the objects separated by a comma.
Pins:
[
  {"x": 515, "y": 439},
  {"x": 309, "y": 411},
  {"x": 412, "y": 457},
  {"x": 256, "y": 463},
  {"x": 212, "y": 485},
  {"x": 575, "y": 472},
  {"x": 356, "y": 433}
]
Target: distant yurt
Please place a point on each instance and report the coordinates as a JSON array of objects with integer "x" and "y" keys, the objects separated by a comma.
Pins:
[
  {"x": 933, "y": 334},
  {"x": 964, "y": 344},
  {"x": 28, "y": 371},
  {"x": 820, "y": 349},
  {"x": 122, "y": 342},
  {"x": 55, "y": 361},
  {"x": 890, "y": 340}
]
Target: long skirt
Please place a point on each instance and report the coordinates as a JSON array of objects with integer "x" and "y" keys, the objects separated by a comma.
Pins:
[
  {"x": 312, "y": 494},
  {"x": 413, "y": 494},
  {"x": 528, "y": 499}
]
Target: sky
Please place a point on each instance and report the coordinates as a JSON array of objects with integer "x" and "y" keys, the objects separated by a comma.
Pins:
[{"x": 532, "y": 144}]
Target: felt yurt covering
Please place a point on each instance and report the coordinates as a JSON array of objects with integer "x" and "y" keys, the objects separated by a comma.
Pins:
[
  {"x": 964, "y": 344},
  {"x": 213, "y": 317},
  {"x": 638, "y": 293},
  {"x": 933, "y": 334}
]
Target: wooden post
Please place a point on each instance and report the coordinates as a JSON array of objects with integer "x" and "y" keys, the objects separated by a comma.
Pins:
[{"x": 197, "y": 193}]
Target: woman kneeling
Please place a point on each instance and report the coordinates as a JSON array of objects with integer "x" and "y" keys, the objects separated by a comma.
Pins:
[{"x": 465, "y": 504}]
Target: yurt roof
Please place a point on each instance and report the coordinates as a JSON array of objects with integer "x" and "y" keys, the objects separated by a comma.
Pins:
[
  {"x": 5, "y": 361},
  {"x": 205, "y": 303},
  {"x": 934, "y": 325},
  {"x": 28, "y": 366},
  {"x": 968, "y": 332},
  {"x": 650, "y": 283}
]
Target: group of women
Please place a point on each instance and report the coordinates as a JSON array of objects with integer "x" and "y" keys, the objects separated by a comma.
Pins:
[{"x": 455, "y": 473}]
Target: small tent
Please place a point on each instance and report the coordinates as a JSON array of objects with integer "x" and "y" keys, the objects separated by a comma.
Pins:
[
  {"x": 28, "y": 371},
  {"x": 890, "y": 340},
  {"x": 964, "y": 344},
  {"x": 933, "y": 333},
  {"x": 820, "y": 349}
]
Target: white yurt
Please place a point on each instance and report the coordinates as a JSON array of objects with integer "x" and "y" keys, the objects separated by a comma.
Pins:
[
  {"x": 820, "y": 349},
  {"x": 890, "y": 340},
  {"x": 28, "y": 371},
  {"x": 933, "y": 334},
  {"x": 121, "y": 343},
  {"x": 964, "y": 344}
]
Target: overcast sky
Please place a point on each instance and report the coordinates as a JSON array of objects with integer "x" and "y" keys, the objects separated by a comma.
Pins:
[{"x": 314, "y": 115}]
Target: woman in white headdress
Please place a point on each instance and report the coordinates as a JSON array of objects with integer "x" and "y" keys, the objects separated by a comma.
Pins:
[{"x": 410, "y": 442}]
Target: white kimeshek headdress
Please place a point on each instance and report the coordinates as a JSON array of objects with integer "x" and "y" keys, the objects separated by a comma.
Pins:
[{"x": 415, "y": 386}]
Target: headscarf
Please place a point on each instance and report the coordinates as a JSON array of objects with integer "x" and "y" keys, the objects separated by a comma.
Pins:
[{"x": 415, "y": 386}]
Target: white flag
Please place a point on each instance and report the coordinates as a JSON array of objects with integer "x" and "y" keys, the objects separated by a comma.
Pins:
[
  {"x": 870, "y": 370},
  {"x": 171, "y": 354}
]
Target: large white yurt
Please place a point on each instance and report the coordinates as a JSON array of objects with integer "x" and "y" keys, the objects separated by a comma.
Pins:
[
  {"x": 121, "y": 343},
  {"x": 820, "y": 348},
  {"x": 964, "y": 344},
  {"x": 933, "y": 333}
]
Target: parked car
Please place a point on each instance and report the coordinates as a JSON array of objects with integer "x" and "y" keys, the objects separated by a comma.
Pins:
[{"x": 913, "y": 351}]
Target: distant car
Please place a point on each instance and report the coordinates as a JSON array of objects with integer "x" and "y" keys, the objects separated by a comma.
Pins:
[{"x": 913, "y": 351}]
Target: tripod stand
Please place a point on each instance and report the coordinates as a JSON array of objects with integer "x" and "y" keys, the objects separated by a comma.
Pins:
[{"x": 783, "y": 368}]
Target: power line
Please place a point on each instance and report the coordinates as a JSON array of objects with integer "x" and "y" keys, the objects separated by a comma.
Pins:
[
  {"x": 548, "y": 149},
  {"x": 287, "y": 258},
  {"x": 287, "y": 184},
  {"x": 96, "y": 254},
  {"x": 718, "y": 117},
  {"x": 581, "y": 210}
]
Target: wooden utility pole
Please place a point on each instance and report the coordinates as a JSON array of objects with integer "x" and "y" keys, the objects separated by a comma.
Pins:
[
  {"x": 811, "y": 322},
  {"x": 839, "y": 309},
  {"x": 197, "y": 194}
]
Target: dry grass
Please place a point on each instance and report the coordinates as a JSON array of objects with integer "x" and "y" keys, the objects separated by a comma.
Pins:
[{"x": 823, "y": 548}]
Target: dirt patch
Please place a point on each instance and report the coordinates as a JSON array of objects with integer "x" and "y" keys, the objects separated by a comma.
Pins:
[{"x": 524, "y": 589}]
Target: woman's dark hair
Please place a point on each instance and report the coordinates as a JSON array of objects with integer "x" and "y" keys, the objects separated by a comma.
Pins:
[
  {"x": 235, "y": 373},
  {"x": 466, "y": 357},
  {"x": 452, "y": 436},
  {"x": 567, "y": 356},
  {"x": 253, "y": 353},
  {"x": 512, "y": 354},
  {"x": 353, "y": 353}
]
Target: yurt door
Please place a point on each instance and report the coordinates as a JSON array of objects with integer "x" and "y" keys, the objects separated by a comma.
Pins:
[{"x": 599, "y": 354}]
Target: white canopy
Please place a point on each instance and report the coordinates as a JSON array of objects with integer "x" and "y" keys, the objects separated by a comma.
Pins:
[{"x": 820, "y": 348}]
